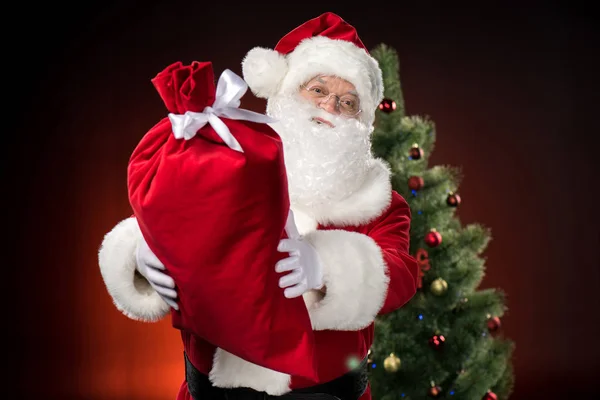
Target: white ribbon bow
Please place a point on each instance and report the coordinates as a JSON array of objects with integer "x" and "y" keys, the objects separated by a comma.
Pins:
[{"x": 230, "y": 90}]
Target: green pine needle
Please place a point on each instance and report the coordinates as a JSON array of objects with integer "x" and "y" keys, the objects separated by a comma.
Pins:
[{"x": 461, "y": 313}]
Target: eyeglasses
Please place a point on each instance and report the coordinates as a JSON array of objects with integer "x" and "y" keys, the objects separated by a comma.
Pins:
[{"x": 348, "y": 104}]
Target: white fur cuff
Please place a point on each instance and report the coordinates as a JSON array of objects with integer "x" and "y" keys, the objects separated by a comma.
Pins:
[
  {"x": 354, "y": 272},
  {"x": 130, "y": 292}
]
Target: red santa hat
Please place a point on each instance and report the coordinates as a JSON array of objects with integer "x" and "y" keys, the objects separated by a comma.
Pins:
[{"x": 325, "y": 45}]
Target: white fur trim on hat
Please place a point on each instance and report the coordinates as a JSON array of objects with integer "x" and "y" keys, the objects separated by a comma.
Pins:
[{"x": 268, "y": 72}]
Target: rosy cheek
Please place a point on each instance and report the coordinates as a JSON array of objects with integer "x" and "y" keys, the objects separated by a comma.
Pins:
[
  {"x": 306, "y": 95},
  {"x": 313, "y": 100}
]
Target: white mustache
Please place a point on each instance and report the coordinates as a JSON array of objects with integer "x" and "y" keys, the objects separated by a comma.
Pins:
[{"x": 333, "y": 119}]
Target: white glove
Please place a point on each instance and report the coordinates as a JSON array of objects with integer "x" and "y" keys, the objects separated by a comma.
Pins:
[
  {"x": 151, "y": 268},
  {"x": 307, "y": 271}
]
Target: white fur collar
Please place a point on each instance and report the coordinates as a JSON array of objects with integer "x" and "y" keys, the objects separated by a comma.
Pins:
[{"x": 361, "y": 207}]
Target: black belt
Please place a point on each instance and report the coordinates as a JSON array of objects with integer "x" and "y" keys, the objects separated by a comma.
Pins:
[{"x": 349, "y": 386}]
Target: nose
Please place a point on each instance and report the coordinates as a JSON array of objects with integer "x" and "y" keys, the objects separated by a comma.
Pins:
[{"x": 329, "y": 105}]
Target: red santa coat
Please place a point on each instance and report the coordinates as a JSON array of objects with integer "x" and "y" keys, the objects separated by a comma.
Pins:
[{"x": 363, "y": 243}]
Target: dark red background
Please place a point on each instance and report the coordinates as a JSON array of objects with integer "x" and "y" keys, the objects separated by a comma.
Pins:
[{"x": 510, "y": 89}]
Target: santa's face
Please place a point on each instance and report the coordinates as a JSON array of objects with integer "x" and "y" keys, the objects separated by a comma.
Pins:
[
  {"x": 335, "y": 95},
  {"x": 327, "y": 148}
]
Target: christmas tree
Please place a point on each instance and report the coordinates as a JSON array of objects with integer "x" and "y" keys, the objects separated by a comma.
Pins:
[{"x": 446, "y": 342}]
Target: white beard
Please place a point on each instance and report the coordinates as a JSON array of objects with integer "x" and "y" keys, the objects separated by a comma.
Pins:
[{"x": 324, "y": 165}]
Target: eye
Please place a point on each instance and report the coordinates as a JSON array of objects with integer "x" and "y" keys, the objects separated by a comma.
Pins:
[
  {"x": 349, "y": 104},
  {"x": 317, "y": 90}
]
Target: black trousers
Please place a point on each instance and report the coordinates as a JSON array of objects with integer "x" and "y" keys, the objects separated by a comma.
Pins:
[{"x": 347, "y": 387}]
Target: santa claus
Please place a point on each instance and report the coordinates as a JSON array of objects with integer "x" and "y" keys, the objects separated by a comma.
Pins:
[{"x": 348, "y": 231}]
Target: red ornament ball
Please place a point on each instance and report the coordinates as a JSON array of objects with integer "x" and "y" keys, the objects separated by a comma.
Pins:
[
  {"x": 415, "y": 183},
  {"x": 387, "y": 105},
  {"x": 437, "y": 342},
  {"x": 453, "y": 200},
  {"x": 490, "y": 396},
  {"x": 434, "y": 391},
  {"x": 493, "y": 324},
  {"x": 433, "y": 238},
  {"x": 416, "y": 153}
]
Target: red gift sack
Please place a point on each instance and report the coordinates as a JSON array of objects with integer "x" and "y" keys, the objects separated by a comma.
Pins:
[{"x": 208, "y": 187}]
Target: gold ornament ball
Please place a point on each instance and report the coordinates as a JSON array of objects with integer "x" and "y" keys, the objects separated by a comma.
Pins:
[
  {"x": 392, "y": 363},
  {"x": 439, "y": 287}
]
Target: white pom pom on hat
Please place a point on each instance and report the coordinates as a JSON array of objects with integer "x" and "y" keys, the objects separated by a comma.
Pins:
[
  {"x": 263, "y": 70},
  {"x": 325, "y": 45}
]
